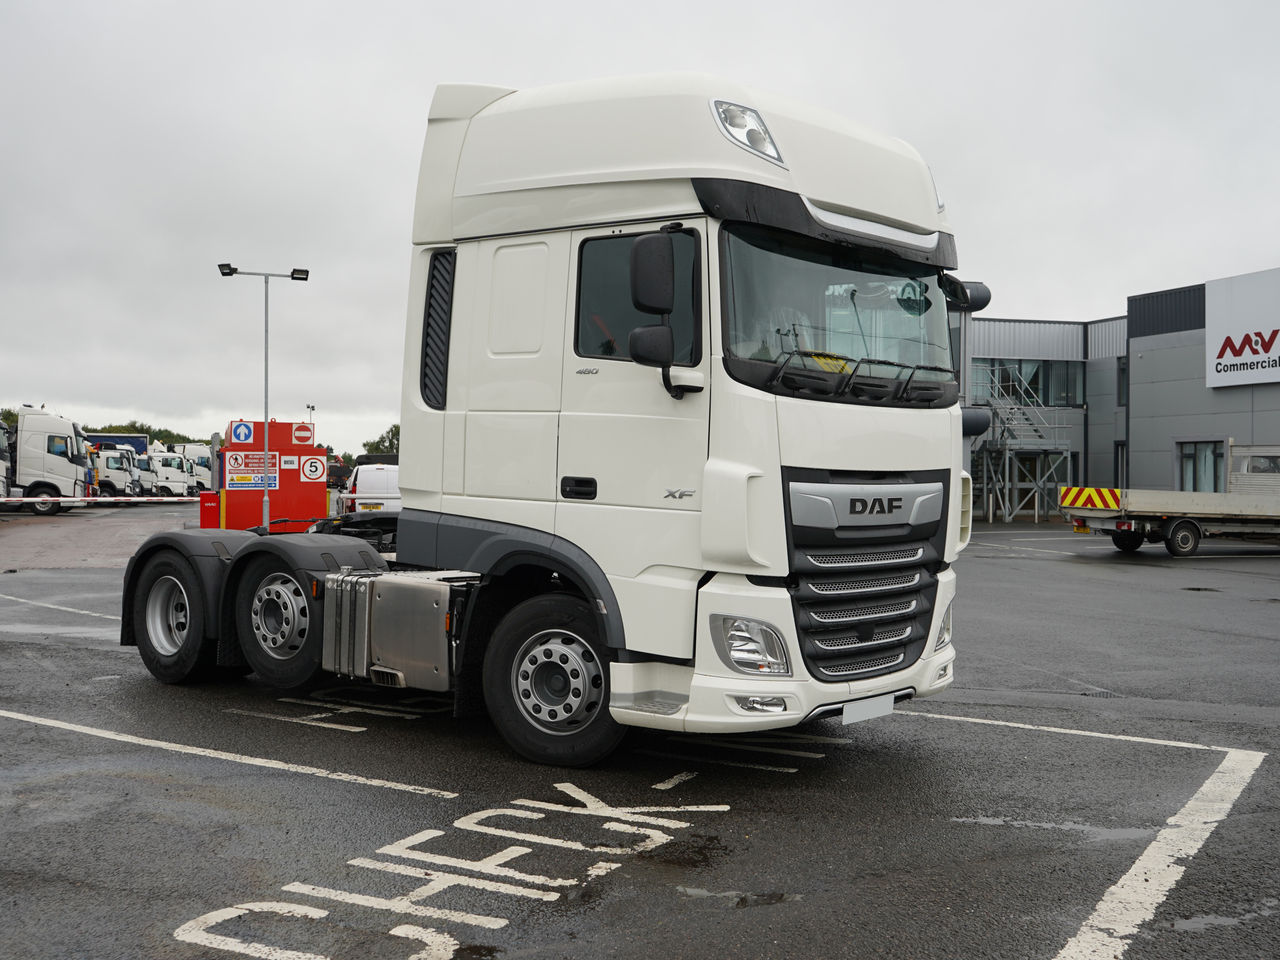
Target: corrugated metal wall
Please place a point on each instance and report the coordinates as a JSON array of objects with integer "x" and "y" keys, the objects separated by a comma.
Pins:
[
  {"x": 1166, "y": 311},
  {"x": 1107, "y": 337},
  {"x": 1026, "y": 339}
]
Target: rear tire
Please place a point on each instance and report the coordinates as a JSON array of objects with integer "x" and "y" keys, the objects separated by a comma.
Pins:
[
  {"x": 1127, "y": 541},
  {"x": 278, "y": 623},
  {"x": 546, "y": 683},
  {"x": 168, "y": 619},
  {"x": 1183, "y": 539}
]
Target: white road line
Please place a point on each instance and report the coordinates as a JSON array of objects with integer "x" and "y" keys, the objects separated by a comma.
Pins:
[
  {"x": 396, "y": 905},
  {"x": 54, "y": 606},
  {"x": 349, "y": 706},
  {"x": 1135, "y": 897},
  {"x": 1064, "y": 730},
  {"x": 679, "y": 778},
  {"x": 718, "y": 763},
  {"x": 309, "y": 721},
  {"x": 231, "y": 757}
]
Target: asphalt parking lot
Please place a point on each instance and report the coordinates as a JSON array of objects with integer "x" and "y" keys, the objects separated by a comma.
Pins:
[{"x": 1096, "y": 784}]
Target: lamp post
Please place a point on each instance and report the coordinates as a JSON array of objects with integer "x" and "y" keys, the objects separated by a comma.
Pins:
[
  {"x": 227, "y": 270},
  {"x": 311, "y": 414}
]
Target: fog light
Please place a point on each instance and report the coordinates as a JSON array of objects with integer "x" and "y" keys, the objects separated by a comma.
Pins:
[
  {"x": 944, "y": 631},
  {"x": 944, "y": 672},
  {"x": 750, "y": 646},
  {"x": 762, "y": 704}
]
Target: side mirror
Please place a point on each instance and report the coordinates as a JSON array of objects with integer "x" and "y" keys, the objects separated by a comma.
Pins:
[
  {"x": 652, "y": 346},
  {"x": 653, "y": 274},
  {"x": 974, "y": 422}
]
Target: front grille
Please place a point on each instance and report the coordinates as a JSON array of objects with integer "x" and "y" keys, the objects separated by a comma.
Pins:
[
  {"x": 863, "y": 596},
  {"x": 865, "y": 558},
  {"x": 874, "y": 612},
  {"x": 901, "y": 581},
  {"x": 865, "y": 666}
]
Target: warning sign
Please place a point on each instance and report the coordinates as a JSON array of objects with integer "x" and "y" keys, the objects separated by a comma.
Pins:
[
  {"x": 246, "y": 472},
  {"x": 303, "y": 433},
  {"x": 314, "y": 468}
]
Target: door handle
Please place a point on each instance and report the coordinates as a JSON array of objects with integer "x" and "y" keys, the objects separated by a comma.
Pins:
[{"x": 578, "y": 488}]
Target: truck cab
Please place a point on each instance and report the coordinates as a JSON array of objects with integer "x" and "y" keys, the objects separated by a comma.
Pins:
[
  {"x": 117, "y": 476},
  {"x": 51, "y": 458},
  {"x": 173, "y": 475},
  {"x": 146, "y": 475},
  {"x": 200, "y": 457}
]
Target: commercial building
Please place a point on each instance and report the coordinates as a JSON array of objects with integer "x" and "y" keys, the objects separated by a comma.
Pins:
[{"x": 1153, "y": 399}]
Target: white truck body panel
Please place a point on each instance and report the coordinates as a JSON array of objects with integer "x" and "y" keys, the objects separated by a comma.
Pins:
[{"x": 39, "y": 463}]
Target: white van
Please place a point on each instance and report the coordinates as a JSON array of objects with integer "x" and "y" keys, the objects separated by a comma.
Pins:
[{"x": 373, "y": 486}]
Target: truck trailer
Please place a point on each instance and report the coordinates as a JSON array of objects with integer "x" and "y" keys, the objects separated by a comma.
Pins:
[
  {"x": 1248, "y": 509},
  {"x": 681, "y": 441}
]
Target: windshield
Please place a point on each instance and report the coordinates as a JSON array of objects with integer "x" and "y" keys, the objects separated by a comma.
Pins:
[{"x": 830, "y": 322}]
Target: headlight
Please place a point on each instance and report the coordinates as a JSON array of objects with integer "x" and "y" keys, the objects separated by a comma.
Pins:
[
  {"x": 750, "y": 646},
  {"x": 944, "y": 631}
]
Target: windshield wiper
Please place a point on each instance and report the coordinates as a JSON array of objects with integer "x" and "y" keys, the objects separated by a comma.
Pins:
[{"x": 780, "y": 367}]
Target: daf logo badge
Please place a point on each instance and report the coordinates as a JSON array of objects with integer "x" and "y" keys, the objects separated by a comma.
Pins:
[{"x": 859, "y": 506}]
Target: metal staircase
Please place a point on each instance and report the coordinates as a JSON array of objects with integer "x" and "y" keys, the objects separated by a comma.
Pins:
[{"x": 1026, "y": 453}]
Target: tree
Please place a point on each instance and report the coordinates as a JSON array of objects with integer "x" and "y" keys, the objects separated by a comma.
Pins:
[
  {"x": 9, "y": 416},
  {"x": 387, "y": 442}
]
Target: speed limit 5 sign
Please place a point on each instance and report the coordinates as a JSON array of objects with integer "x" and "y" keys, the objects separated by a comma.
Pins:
[{"x": 313, "y": 468}]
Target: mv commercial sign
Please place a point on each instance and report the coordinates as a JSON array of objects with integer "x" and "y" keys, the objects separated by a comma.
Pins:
[{"x": 1242, "y": 330}]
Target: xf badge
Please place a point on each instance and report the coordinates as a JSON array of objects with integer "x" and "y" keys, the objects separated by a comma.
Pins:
[{"x": 678, "y": 494}]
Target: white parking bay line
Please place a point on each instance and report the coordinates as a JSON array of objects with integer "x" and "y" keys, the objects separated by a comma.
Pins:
[
  {"x": 1135, "y": 897},
  {"x": 230, "y": 757},
  {"x": 54, "y": 606},
  {"x": 1133, "y": 900}
]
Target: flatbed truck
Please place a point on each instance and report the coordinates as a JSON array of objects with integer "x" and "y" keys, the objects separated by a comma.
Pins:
[
  {"x": 1248, "y": 510},
  {"x": 681, "y": 441}
]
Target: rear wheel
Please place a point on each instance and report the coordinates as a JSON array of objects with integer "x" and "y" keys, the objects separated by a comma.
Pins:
[
  {"x": 1183, "y": 539},
  {"x": 168, "y": 619},
  {"x": 278, "y": 624},
  {"x": 546, "y": 683},
  {"x": 1127, "y": 541}
]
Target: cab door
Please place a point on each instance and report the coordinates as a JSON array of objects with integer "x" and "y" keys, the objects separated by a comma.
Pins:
[{"x": 631, "y": 456}]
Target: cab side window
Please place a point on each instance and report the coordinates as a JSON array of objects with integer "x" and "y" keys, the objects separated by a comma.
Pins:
[
  {"x": 57, "y": 446},
  {"x": 606, "y": 316}
]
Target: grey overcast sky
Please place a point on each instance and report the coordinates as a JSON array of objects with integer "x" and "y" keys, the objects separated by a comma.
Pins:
[{"x": 1086, "y": 152}]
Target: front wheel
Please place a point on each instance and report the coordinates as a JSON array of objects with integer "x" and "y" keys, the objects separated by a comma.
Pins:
[
  {"x": 1183, "y": 539},
  {"x": 546, "y": 683},
  {"x": 168, "y": 618},
  {"x": 278, "y": 624}
]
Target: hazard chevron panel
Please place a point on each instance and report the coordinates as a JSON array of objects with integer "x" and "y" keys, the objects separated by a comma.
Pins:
[{"x": 1098, "y": 498}]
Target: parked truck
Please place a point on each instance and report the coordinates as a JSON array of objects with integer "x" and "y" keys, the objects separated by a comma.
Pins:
[
  {"x": 50, "y": 459},
  {"x": 117, "y": 471},
  {"x": 1249, "y": 508},
  {"x": 681, "y": 444},
  {"x": 174, "y": 474},
  {"x": 6, "y": 461},
  {"x": 201, "y": 458}
]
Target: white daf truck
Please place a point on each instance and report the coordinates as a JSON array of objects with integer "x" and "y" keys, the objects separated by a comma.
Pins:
[
  {"x": 681, "y": 445},
  {"x": 201, "y": 462}
]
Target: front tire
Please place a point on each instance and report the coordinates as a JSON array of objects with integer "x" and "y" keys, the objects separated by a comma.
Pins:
[
  {"x": 278, "y": 624},
  {"x": 1183, "y": 539},
  {"x": 168, "y": 617},
  {"x": 546, "y": 683}
]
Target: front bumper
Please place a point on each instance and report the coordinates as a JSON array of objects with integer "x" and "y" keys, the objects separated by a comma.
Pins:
[{"x": 712, "y": 698}]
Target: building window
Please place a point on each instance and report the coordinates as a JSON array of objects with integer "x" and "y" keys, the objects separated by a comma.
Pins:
[
  {"x": 1122, "y": 381},
  {"x": 606, "y": 315},
  {"x": 1043, "y": 383},
  {"x": 1122, "y": 463},
  {"x": 1201, "y": 466}
]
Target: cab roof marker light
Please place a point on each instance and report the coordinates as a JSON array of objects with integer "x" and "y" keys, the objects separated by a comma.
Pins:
[{"x": 745, "y": 127}]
